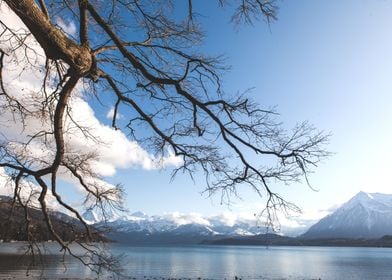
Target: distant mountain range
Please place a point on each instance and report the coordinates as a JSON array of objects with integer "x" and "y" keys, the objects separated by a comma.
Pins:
[
  {"x": 138, "y": 228},
  {"x": 367, "y": 216},
  {"x": 365, "y": 220}
]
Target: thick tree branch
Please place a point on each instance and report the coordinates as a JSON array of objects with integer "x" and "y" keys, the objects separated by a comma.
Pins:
[
  {"x": 83, "y": 25},
  {"x": 43, "y": 8},
  {"x": 54, "y": 42}
]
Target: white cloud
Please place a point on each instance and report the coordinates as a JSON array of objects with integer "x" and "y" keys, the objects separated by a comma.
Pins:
[
  {"x": 6, "y": 186},
  {"x": 185, "y": 219},
  {"x": 110, "y": 114},
  {"x": 28, "y": 193},
  {"x": 67, "y": 26},
  {"x": 231, "y": 218},
  {"x": 113, "y": 149}
]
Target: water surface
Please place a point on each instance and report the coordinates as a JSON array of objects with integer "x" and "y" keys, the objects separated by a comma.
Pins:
[{"x": 214, "y": 262}]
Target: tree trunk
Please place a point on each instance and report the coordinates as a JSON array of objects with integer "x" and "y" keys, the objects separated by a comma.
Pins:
[{"x": 54, "y": 42}]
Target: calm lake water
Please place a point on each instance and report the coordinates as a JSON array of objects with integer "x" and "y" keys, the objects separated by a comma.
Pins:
[{"x": 215, "y": 262}]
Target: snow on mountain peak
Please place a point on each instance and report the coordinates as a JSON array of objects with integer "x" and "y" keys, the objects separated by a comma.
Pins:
[
  {"x": 371, "y": 201},
  {"x": 185, "y": 219},
  {"x": 365, "y": 215},
  {"x": 242, "y": 232}
]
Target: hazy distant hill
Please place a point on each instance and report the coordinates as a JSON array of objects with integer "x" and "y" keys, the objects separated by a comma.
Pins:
[
  {"x": 12, "y": 227},
  {"x": 277, "y": 240},
  {"x": 260, "y": 239},
  {"x": 366, "y": 215}
]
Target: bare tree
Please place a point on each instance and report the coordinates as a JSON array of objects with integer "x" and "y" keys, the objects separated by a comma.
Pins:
[{"x": 149, "y": 63}]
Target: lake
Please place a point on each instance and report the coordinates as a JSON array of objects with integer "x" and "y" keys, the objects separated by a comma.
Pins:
[{"x": 214, "y": 262}]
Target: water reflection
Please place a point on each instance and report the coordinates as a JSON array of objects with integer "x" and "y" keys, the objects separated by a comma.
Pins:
[
  {"x": 46, "y": 266},
  {"x": 213, "y": 262},
  {"x": 50, "y": 263}
]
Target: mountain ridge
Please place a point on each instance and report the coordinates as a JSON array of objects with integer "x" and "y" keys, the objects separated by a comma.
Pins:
[
  {"x": 175, "y": 229},
  {"x": 366, "y": 215}
]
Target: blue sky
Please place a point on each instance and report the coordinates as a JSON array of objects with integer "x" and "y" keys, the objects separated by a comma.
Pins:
[{"x": 326, "y": 62}]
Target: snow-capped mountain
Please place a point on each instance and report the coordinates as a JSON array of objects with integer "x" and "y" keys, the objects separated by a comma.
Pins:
[
  {"x": 366, "y": 215},
  {"x": 139, "y": 228}
]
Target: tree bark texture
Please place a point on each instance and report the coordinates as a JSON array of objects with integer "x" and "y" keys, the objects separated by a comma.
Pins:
[{"x": 54, "y": 42}]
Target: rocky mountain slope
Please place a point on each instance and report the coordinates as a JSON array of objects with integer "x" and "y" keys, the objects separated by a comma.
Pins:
[{"x": 366, "y": 215}]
